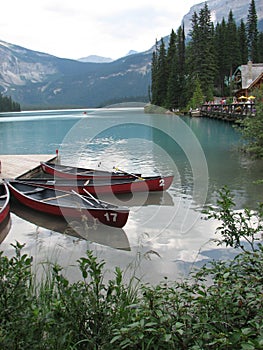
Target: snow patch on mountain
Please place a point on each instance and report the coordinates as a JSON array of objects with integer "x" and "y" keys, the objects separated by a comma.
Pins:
[{"x": 95, "y": 59}]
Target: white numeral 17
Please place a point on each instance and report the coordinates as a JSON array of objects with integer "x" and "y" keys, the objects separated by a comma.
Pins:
[{"x": 111, "y": 216}]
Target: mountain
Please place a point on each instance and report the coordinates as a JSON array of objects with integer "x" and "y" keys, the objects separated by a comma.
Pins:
[
  {"x": 100, "y": 59},
  {"x": 38, "y": 80},
  {"x": 221, "y": 8},
  {"x": 95, "y": 59},
  {"x": 132, "y": 52},
  {"x": 35, "y": 79}
]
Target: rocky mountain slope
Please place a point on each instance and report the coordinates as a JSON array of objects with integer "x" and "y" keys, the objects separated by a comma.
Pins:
[{"x": 37, "y": 79}]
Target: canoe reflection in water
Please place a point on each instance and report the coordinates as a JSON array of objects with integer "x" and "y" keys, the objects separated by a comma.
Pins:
[
  {"x": 81, "y": 229},
  {"x": 5, "y": 228},
  {"x": 138, "y": 199}
]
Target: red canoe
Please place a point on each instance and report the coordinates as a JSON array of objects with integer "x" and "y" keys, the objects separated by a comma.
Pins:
[
  {"x": 68, "y": 204},
  {"x": 4, "y": 202},
  {"x": 70, "y": 172},
  {"x": 147, "y": 184}
]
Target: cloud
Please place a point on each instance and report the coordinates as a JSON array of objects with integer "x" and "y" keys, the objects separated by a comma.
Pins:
[{"x": 78, "y": 28}]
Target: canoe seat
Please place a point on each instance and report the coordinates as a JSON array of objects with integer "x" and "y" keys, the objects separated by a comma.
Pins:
[
  {"x": 85, "y": 172},
  {"x": 56, "y": 197},
  {"x": 36, "y": 190},
  {"x": 64, "y": 169}
]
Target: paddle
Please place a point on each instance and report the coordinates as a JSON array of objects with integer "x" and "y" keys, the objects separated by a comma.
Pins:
[
  {"x": 86, "y": 200},
  {"x": 125, "y": 172},
  {"x": 83, "y": 198},
  {"x": 95, "y": 199},
  {"x": 54, "y": 198}
]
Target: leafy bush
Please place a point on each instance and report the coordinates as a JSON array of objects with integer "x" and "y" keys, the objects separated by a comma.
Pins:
[
  {"x": 219, "y": 307},
  {"x": 251, "y": 127}
]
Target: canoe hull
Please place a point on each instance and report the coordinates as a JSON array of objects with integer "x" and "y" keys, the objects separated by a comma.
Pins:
[
  {"x": 4, "y": 202},
  {"x": 68, "y": 172},
  {"x": 150, "y": 184},
  {"x": 75, "y": 209}
]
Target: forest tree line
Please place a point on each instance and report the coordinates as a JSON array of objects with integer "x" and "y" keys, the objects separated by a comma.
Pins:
[
  {"x": 8, "y": 105},
  {"x": 186, "y": 73}
]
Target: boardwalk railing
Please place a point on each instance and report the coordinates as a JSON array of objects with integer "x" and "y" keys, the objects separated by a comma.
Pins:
[{"x": 229, "y": 112}]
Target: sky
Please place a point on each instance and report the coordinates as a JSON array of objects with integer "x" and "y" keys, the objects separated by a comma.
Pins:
[{"x": 79, "y": 28}]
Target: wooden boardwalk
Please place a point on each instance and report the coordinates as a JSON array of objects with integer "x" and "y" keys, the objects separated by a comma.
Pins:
[
  {"x": 12, "y": 166},
  {"x": 230, "y": 112}
]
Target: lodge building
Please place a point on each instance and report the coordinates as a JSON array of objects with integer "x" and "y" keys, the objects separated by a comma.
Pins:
[{"x": 246, "y": 78}]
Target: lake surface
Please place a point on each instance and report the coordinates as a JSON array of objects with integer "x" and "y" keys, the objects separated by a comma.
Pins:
[{"x": 166, "y": 234}]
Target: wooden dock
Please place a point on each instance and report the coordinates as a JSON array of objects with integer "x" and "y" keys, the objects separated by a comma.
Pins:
[
  {"x": 228, "y": 112},
  {"x": 12, "y": 166}
]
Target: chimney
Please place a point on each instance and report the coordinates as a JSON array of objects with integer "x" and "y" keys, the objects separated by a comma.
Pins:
[{"x": 249, "y": 70}]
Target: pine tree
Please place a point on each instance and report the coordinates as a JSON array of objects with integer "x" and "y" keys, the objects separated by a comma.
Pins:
[
  {"x": 162, "y": 76},
  {"x": 172, "y": 96},
  {"x": 176, "y": 68},
  {"x": 171, "y": 63},
  {"x": 221, "y": 56},
  {"x": 242, "y": 37},
  {"x": 202, "y": 59},
  {"x": 193, "y": 49},
  {"x": 198, "y": 98},
  {"x": 182, "y": 98},
  {"x": 260, "y": 45},
  {"x": 154, "y": 70},
  {"x": 171, "y": 51},
  {"x": 233, "y": 48},
  {"x": 252, "y": 32},
  {"x": 8, "y": 105}
]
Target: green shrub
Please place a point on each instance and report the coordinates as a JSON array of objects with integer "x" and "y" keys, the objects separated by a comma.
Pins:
[{"x": 220, "y": 306}]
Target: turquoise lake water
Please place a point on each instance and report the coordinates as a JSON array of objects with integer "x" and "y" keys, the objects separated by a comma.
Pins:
[{"x": 165, "y": 234}]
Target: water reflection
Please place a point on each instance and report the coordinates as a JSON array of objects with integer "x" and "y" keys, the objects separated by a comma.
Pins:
[
  {"x": 5, "y": 228},
  {"x": 101, "y": 234},
  {"x": 166, "y": 223},
  {"x": 139, "y": 199}
]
